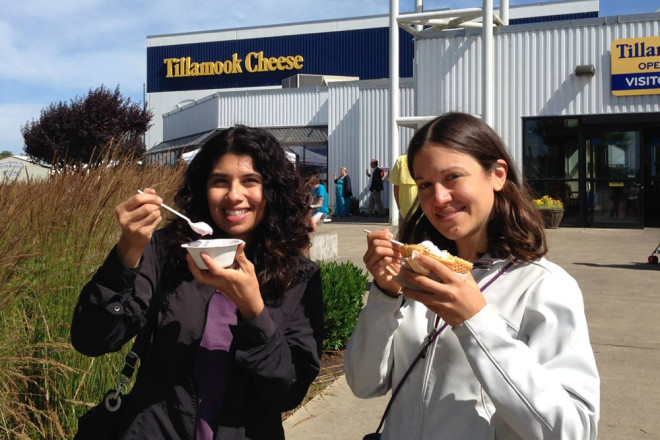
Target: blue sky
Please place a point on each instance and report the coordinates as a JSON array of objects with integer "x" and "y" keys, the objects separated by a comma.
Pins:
[{"x": 53, "y": 51}]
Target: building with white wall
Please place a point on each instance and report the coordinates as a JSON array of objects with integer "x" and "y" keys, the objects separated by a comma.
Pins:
[
  {"x": 21, "y": 169},
  {"x": 577, "y": 102},
  {"x": 204, "y": 81}
]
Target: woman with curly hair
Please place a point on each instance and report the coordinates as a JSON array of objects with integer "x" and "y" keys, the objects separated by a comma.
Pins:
[
  {"x": 233, "y": 347},
  {"x": 503, "y": 352}
]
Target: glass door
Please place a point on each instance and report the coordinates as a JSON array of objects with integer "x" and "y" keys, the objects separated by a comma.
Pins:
[
  {"x": 614, "y": 179},
  {"x": 551, "y": 163},
  {"x": 652, "y": 177}
]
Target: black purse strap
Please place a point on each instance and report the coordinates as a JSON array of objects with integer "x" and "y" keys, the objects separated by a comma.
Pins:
[
  {"x": 133, "y": 355},
  {"x": 422, "y": 353},
  {"x": 142, "y": 338}
]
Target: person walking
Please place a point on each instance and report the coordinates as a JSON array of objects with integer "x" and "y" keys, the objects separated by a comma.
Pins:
[
  {"x": 319, "y": 196},
  {"x": 375, "y": 189},
  {"x": 343, "y": 193},
  {"x": 231, "y": 348},
  {"x": 502, "y": 353}
]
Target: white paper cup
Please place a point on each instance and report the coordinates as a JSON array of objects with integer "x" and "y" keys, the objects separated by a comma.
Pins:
[{"x": 222, "y": 250}]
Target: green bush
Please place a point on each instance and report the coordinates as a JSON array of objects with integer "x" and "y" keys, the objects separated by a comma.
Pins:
[{"x": 343, "y": 290}]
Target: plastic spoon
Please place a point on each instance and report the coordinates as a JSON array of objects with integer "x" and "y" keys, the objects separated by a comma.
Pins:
[
  {"x": 398, "y": 243},
  {"x": 200, "y": 227},
  {"x": 389, "y": 267}
]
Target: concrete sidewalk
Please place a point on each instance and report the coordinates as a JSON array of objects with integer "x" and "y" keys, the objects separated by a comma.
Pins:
[{"x": 622, "y": 300}]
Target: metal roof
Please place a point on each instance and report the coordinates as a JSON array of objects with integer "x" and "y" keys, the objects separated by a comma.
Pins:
[
  {"x": 183, "y": 143},
  {"x": 287, "y": 136},
  {"x": 300, "y": 135}
]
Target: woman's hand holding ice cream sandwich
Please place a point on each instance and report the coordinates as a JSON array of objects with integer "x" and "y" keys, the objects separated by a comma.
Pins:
[
  {"x": 444, "y": 292},
  {"x": 383, "y": 260}
]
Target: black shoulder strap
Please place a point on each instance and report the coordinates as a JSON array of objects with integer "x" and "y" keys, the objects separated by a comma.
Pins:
[
  {"x": 422, "y": 353},
  {"x": 139, "y": 344},
  {"x": 144, "y": 335}
]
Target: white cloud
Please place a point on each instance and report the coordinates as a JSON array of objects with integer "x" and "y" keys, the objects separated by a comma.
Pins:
[
  {"x": 12, "y": 117},
  {"x": 56, "y": 50}
]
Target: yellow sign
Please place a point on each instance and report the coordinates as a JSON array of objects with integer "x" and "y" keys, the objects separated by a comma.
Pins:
[
  {"x": 636, "y": 66},
  {"x": 254, "y": 62}
]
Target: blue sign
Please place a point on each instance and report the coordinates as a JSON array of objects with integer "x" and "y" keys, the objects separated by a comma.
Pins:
[{"x": 267, "y": 61}]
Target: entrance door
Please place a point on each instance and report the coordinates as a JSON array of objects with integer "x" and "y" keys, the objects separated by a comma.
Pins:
[
  {"x": 613, "y": 179},
  {"x": 652, "y": 181}
]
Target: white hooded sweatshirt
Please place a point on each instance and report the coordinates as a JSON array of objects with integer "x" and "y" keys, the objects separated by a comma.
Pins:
[{"x": 521, "y": 368}]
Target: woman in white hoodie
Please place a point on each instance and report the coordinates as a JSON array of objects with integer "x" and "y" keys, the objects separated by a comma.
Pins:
[{"x": 512, "y": 357}]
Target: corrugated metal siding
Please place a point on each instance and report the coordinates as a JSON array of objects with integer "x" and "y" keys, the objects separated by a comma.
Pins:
[
  {"x": 358, "y": 130},
  {"x": 406, "y": 108},
  {"x": 533, "y": 74},
  {"x": 374, "y": 137},
  {"x": 162, "y": 103},
  {"x": 343, "y": 135},
  {"x": 284, "y": 107},
  {"x": 289, "y": 107},
  {"x": 356, "y": 114},
  {"x": 375, "y": 134},
  {"x": 200, "y": 117},
  {"x": 575, "y": 16}
]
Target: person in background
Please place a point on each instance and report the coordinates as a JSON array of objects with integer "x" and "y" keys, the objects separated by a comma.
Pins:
[
  {"x": 405, "y": 190},
  {"x": 343, "y": 193},
  {"x": 375, "y": 189},
  {"x": 511, "y": 357},
  {"x": 319, "y": 197},
  {"x": 232, "y": 348}
]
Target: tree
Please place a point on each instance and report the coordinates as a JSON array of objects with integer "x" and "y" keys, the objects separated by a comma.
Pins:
[
  {"x": 87, "y": 128},
  {"x": 6, "y": 153}
]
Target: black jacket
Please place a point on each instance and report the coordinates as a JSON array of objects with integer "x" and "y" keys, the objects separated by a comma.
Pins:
[
  {"x": 347, "y": 191},
  {"x": 276, "y": 356},
  {"x": 377, "y": 180}
]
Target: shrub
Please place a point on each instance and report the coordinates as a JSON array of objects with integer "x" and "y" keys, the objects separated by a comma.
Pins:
[{"x": 343, "y": 290}]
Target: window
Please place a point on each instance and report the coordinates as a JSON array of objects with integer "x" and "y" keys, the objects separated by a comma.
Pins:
[
  {"x": 311, "y": 161},
  {"x": 551, "y": 161}
]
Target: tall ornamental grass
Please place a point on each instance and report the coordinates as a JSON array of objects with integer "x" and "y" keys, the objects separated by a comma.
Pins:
[{"x": 55, "y": 233}]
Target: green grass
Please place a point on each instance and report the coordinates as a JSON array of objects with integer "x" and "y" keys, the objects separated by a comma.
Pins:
[{"x": 55, "y": 234}]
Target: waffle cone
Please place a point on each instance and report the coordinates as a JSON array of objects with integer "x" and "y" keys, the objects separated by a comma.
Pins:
[{"x": 456, "y": 264}]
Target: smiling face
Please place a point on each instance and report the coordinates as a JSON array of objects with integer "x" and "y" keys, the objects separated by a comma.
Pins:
[
  {"x": 235, "y": 195},
  {"x": 457, "y": 195}
]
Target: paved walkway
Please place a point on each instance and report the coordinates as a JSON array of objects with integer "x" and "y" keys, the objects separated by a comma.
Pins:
[{"x": 622, "y": 300}]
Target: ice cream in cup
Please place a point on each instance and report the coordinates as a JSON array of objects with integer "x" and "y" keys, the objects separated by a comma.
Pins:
[{"x": 222, "y": 250}]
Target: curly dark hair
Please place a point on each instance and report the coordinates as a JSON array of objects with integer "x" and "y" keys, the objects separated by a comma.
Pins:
[
  {"x": 515, "y": 228},
  {"x": 283, "y": 234}
]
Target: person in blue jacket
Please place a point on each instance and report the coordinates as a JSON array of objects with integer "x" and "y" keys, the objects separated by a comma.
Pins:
[{"x": 319, "y": 196}]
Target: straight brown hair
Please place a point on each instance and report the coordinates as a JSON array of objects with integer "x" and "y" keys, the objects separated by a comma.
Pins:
[{"x": 515, "y": 229}]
